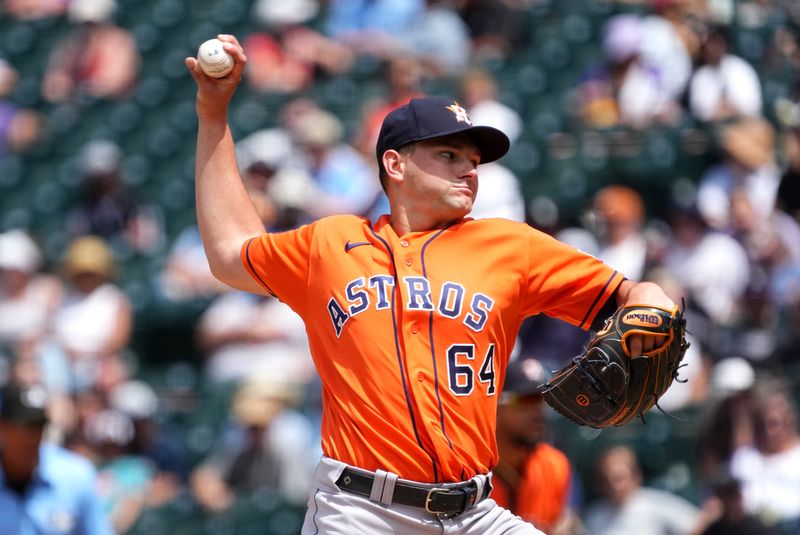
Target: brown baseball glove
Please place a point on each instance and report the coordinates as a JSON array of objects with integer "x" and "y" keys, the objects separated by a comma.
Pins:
[{"x": 605, "y": 385}]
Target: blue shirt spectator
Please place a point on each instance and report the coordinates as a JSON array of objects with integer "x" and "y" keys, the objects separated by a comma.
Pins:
[
  {"x": 60, "y": 499},
  {"x": 393, "y": 17},
  {"x": 44, "y": 489}
]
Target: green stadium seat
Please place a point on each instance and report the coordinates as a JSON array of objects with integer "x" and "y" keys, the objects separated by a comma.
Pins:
[
  {"x": 12, "y": 169},
  {"x": 554, "y": 53},
  {"x": 19, "y": 39},
  {"x": 229, "y": 13},
  {"x": 16, "y": 214},
  {"x": 577, "y": 28},
  {"x": 168, "y": 13},
  {"x": 152, "y": 91},
  {"x": 148, "y": 37}
]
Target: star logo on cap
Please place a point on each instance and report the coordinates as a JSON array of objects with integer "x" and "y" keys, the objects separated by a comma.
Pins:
[{"x": 460, "y": 113}]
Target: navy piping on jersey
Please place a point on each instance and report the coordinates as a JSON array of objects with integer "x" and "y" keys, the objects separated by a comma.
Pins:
[
  {"x": 433, "y": 346},
  {"x": 253, "y": 269},
  {"x": 314, "y": 516},
  {"x": 596, "y": 299},
  {"x": 400, "y": 356}
]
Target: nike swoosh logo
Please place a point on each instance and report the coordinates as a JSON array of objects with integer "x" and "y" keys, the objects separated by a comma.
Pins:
[{"x": 348, "y": 245}]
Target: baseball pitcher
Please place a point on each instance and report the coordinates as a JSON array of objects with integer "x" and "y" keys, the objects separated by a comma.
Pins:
[{"x": 410, "y": 320}]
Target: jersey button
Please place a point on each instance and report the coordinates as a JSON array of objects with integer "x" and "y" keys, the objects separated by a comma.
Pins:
[
  {"x": 414, "y": 329},
  {"x": 404, "y": 243},
  {"x": 408, "y": 260},
  {"x": 421, "y": 377}
]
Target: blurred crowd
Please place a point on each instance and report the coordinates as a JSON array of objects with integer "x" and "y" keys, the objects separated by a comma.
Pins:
[{"x": 230, "y": 435}]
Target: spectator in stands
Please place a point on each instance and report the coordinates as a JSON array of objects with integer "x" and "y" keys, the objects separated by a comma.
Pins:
[
  {"x": 107, "y": 208},
  {"x": 769, "y": 470},
  {"x": 43, "y": 488},
  {"x": 33, "y": 9},
  {"x": 497, "y": 29},
  {"x": 628, "y": 507},
  {"x": 430, "y": 31},
  {"x": 479, "y": 95},
  {"x": 275, "y": 169},
  {"x": 372, "y": 26},
  {"x": 500, "y": 192},
  {"x": 693, "y": 260},
  {"x": 619, "y": 220},
  {"x": 123, "y": 476},
  {"x": 727, "y": 513},
  {"x": 439, "y": 39},
  {"x": 28, "y": 297},
  {"x": 285, "y": 55},
  {"x": 726, "y": 423},
  {"x": 152, "y": 437},
  {"x": 94, "y": 322},
  {"x": 343, "y": 181},
  {"x": 532, "y": 478},
  {"x": 773, "y": 245},
  {"x": 278, "y": 187},
  {"x": 724, "y": 85},
  {"x": 625, "y": 89},
  {"x": 666, "y": 42},
  {"x": 243, "y": 333},
  {"x": 267, "y": 448},
  {"x": 97, "y": 58},
  {"x": 186, "y": 275},
  {"x": 748, "y": 165},
  {"x": 404, "y": 76},
  {"x": 19, "y": 127}
]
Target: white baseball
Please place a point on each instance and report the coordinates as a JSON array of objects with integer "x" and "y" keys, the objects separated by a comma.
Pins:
[{"x": 213, "y": 59}]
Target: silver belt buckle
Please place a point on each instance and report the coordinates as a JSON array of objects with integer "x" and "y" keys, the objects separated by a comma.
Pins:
[{"x": 429, "y": 497}]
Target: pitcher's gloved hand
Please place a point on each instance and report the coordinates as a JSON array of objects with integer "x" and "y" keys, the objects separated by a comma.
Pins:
[{"x": 605, "y": 385}]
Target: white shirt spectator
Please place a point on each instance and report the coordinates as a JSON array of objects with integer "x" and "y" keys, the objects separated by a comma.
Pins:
[
  {"x": 663, "y": 49},
  {"x": 84, "y": 323},
  {"x": 627, "y": 256},
  {"x": 716, "y": 271},
  {"x": 714, "y": 193},
  {"x": 733, "y": 81},
  {"x": 499, "y": 194},
  {"x": 245, "y": 334},
  {"x": 647, "y": 512}
]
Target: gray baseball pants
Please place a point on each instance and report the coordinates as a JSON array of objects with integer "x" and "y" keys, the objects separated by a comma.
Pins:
[{"x": 335, "y": 512}]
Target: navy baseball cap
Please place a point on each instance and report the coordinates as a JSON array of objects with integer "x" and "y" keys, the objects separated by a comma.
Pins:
[
  {"x": 23, "y": 405},
  {"x": 432, "y": 117}
]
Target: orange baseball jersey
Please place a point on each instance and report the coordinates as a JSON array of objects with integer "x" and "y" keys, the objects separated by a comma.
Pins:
[
  {"x": 411, "y": 334},
  {"x": 542, "y": 494}
]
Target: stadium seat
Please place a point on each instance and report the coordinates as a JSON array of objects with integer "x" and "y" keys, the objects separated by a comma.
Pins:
[{"x": 168, "y": 13}]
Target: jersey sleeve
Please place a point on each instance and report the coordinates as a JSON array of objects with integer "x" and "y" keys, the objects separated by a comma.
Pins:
[
  {"x": 566, "y": 283},
  {"x": 279, "y": 262}
]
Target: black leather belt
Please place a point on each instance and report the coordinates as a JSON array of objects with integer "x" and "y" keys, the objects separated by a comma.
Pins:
[{"x": 448, "y": 499}]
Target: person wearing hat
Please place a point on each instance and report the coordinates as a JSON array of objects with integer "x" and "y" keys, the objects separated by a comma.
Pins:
[
  {"x": 411, "y": 319},
  {"x": 341, "y": 178},
  {"x": 43, "y": 487},
  {"x": 266, "y": 447},
  {"x": 28, "y": 297},
  {"x": 94, "y": 323},
  {"x": 532, "y": 478}
]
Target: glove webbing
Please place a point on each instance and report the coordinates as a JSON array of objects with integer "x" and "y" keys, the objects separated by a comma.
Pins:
[{"x": 593, "y": 381}]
